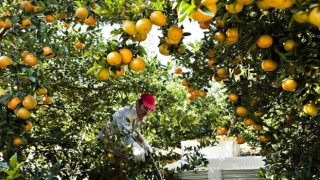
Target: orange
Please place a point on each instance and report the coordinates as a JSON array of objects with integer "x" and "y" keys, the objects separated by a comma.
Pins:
[
  {"x": 222, "y": 72},
  {"x": 212, "y": 53},
  {"x": 231, "y": 40},
  {"x": 129, "y": 27},
  {"x": 35, "y": 9},
  {"x": 158, "y": 18},
  {"x": 202, "y": 93},
  {"x": 263, "y": 138},
  {"x": 25, "y": 5},
  {"x": 46, "y": 51},
  {"x": 233, "y": 97},
  {"x": 257, "y": 127},
  {"x": 286, "y": 4},
  {"x": 269, "y": 65},
  {"x": 310, "y": 109},
  {"x": 13, "y": 103},
  {"x": 28, "y": 127},
  {"x": 31, "y": 60},
  {"x": 201, "y": 16},
  {"x": 264, "y": 41},
  {"x": 181, "y": 49},
  {"x": 234, "y": 8},
  {"x": 205, "y": 24},
  {"x": 178, "y": 70},
  {"x": 262, "y": 4},
  {"x": 254, "y": 101},
  {"x": 258, "y": 113},
  {"x": 5, "y": 61},
  {"x": 289, "y": 84},
  {"x": 66, "y": 25},
  {"x": 217, "y": 78},
  {"x": 301, "y": 16},
  {"x": 185, "y": 82},
  {"x": 163, "y": 49},
  {"x": 237, "y": 71},
  {"x": 114, "y": 58},
  {"x": 126, "y": 55},
  {"x": 8, "y": 23},
  {"x": 242, "y": 111},
  {"x": 42, "y": 91},
  {"x": 220, "y": 22},
  {"x": 289, "y": 45},
  {"x": 222, "y": 131},
  {"x": 62, "y": 15},
  {"x": 120, "y": 72},
  {"x": 191, "y": 96},
  {"x": 172, "y": 42},
  {"x": 23, "y": 113},
  {"x": 137, "y": 64},
  {"x": 2, "y": 24},
  {"x": 82, "y": 13},
  {"x": 26, "y": 22},
  {"x": 175, "y": 33},
  {"x": 78, "y": 45},
  {"x": 90, "y": 21},
  {"x": 29, "y": 102},
  {"x": 102, "y": 74},
  {"x": 212, "y": 63},
  {"x": 140, "y": 37},
  {"x": 240, "y": 140},
  {"x": 245, "y": 2},
  {"x": 248, "y": 122},
  {"x": 314, "y": 16},
  {"x": 232, "y": 32},
  {"x": 49, "y": 18},
  {"x": 143, "y": 26},
  {"x": 47, "y": 100},
  {"x": 219, "y": 36},
  {"x": 17, "y": 141}
]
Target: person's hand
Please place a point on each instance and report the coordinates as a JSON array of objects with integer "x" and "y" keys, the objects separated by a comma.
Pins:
[{"x": 147, "y": 147}]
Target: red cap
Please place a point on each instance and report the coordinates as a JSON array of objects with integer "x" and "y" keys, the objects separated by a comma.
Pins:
[{"x": 149, "y": 101}]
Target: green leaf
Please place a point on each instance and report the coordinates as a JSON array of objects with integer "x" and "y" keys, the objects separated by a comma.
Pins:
[
  {"x": 93, "y": 68},
  {"x": 32, "y": 79},
  {"x": 13, "y": 161},
  {"x": 185, "y": 10},
  {"x": 2, "y": 164},
  {"x": 87, "y": 53}
]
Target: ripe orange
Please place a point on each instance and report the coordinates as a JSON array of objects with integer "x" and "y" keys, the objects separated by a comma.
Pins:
[
  {"x": 219, "y": 36},
  {"x": 137, "y": 64},
  {"x": 2, "y": 24},
  {"x": 222, "y": 131},
  {"x": 240, "y": 140},
  {"x": 158, "y": 18},
  {"x": 212, "y": 53},
  {"x": 23, "y": 113},
  {"x": 120, "y": 72},
  {"x": 90, "y": 21},
  {"x": 114, "y": 58},
  {"x": 47, "y": 51},
  {"x": 17, "y": 141},
  {"x": 25, "y": 5},
  {"x": 310, "y": 109},
  {"x": 222, "y": 72},
  {"x": 245, "y": 2},
  {"x": 258, "y": 114},
  {"x": 29, "y": 102},
  {"x": 178, "y": 70},
  {"x": 242, "y": 111},
  {"x": 314, "y": 16},
  {"x": 237, "y": 71},
  {"x": 212, "y": 63},
  {"x": 82, "y": 13},
  {"x": 170, "y": 41},
  {"x": 175, "y": 33},
  {"x": 79, "y": 45},
  {"x": 31, "y": 60},
  {"x": 232, "y": 33},
  {"x": 289, "y": 45},
  {"x": 25, "y": 22},
  {"x": 257, "y": 127},
  {"x": 217, "y": 78},
  {"x": 28, "y": 127},
  {"x": 191, "y": 96},
  {"x": 140, "y": 37},
  {"x": 220, "y": 22},
  {"x": 233, "y": 97},
  {"x": 66, "y": 25},
  {"x": 24, "y": 54},
  {"x": 263, "y": 138},
  {"x": 126, "y": 55},
  {"x": 35, "y": 9},
  {"x": 202, "y": 93},
  {"x": 264, "y": 41},
  {"x": 248, "y": 122},
  {"x": 289, "y": 84},
  {"x": 49, "y": 18},
  {"x": 47, "y": 100},
  {"x": 42, "y": 91},
  {"x": 13, "y": 103},
  {"x": 234, "y": 8},
  {"x": 269, "y": 65},
  {"x": 143, "y": 26},
  {"x": 205, "y": 24},
  {"x": 185, "y": 82},
  {"x": 62, "y": 15},
  {"x": 231, "y": 40},
  {"x": 5, "y": 61},
  {"x": 201, "y": 16},
  {"x": 129, "y": 27}
]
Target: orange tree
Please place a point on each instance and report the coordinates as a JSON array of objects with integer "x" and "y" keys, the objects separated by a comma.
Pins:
[{"x": 63, "y": 78}]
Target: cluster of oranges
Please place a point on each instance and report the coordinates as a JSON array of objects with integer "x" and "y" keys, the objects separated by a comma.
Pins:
[
  {"x": 171, "y": 41},
  {"x": 192, "y": 93}
]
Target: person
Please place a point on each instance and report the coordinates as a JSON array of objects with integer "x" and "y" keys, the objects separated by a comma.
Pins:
[{"x": 128, "y": 121}]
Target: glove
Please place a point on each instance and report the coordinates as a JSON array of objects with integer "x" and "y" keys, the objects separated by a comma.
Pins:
[{"x": 147, "y": 147}]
